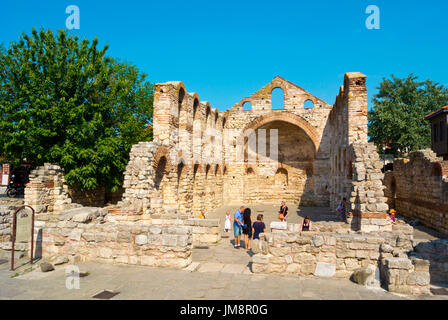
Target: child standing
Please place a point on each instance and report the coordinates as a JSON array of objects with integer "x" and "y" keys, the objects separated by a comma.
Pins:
[
  {"x": 258, "y": 227},
  {"x": 227, "y": 221}
]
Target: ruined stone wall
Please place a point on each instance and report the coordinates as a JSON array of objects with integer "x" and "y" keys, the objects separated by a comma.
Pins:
[
  {"x": 201, "y": 159},
  {"x": 355, "y": 164},
  {"x": 436, "y": 253},
  {"x": 418, "y": 188},
  {"x": 47, "y": 192},
  {"x": 7, "y": 208},
  {"x": 300, "y": 172},
  {"x": 83, "y": 235},
  {"x": 195, "y": 163},
  {"x": 339, "y": 254}
]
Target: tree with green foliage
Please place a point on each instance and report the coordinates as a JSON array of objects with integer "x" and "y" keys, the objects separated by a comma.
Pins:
[
  {"x": 398, "y": 115},
  {"x": 64, "y": 101}
]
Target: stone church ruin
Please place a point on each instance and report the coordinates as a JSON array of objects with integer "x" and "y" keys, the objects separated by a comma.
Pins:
[
  {"x": 201, "y": 158},
  {"x": 308, "y": 153}
]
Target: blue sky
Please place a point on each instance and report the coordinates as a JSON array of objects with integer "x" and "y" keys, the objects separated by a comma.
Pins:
[{"x": 227, "y": 50}]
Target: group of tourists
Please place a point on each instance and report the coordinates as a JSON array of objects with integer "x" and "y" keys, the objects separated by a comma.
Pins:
[{"x": 243, "y": 224}]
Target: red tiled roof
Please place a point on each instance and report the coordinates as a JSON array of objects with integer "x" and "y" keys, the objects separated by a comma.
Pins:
[{"x": 433, "y": 113}]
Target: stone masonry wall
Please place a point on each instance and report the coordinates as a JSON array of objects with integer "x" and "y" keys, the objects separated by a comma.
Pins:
[
  {"x": 204, "y": 231},
  {"x": 82, "y": 234},
  {"x": 340, "y": 254},
  {"x": 355, "y": 164},
  {"x": 418, "y": 188},
  {"x": 7, "y": 208}
]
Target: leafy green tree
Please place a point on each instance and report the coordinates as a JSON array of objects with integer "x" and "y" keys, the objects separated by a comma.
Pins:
[
  {"x": 398, "y": 115},
  {"x": 64, "y": 101}
]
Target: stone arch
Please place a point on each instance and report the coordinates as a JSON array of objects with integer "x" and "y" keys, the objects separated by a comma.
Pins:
[
  {"x": 281, "y": 177},
  {"x": 162, "y": 152},
  {"x": 286, "y": 117}
]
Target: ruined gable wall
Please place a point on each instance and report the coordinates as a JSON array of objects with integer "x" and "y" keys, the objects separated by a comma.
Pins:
[{"x": 313, "y": 120}]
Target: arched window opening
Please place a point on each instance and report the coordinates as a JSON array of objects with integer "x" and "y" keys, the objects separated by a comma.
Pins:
[
  {"x": 180, "y": 168},
  {"x": 249, "y": 171},
  {"x": 207, "y": 170},
  {"x": 195, "y": 170},
  {"x": 180, "y": 100},
  {"x": 247, "y": 106},
  {"x": 216, "y": 169},
  {"x": 225, "y": 170},
  {"x": 281, "y": 177},
  {"x": 207, "y": 114},
  {"x": 195, "y": 108},
  {"x": 309, "y": 104},
  {"x": 160, "y": 172},
  {"x": 224, "y": 122},
  {"x": 277, "y": 98}
]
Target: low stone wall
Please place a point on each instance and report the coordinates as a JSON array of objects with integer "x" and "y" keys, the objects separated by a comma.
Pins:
[
  {"x": 335, "y": 254},
  {"x": 407, "y": 276},
  {"x": 204, "y": 231},
  {"x": 436, "y": 252},
  {"x": 369, "y": 221},
  {"x": 83, "y": 235},
  {"x": 365, "y": 222}
]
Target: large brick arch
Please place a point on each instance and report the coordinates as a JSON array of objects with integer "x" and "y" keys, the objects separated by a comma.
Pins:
[{"x": 286, "y": 117}]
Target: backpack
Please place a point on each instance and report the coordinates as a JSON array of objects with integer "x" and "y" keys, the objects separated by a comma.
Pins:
[{"x": 340, "y": 207}]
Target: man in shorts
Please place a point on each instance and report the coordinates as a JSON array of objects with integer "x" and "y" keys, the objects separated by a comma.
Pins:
[{"x": 238, "y": 225}]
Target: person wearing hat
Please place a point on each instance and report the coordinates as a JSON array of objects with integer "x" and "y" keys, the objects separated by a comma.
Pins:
[{"x": 392, "y": 213}]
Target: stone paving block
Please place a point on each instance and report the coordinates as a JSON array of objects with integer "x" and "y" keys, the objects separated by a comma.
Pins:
[
  {"x": 192, "y": 267},
  {"x": 211, "y": 267},
  {"x": 233, "y": 268},
  {"x": 324, "y": 269}
]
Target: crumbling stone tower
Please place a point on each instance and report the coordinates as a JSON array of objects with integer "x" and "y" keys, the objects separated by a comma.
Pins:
[{"x": 201, "y": 158}]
